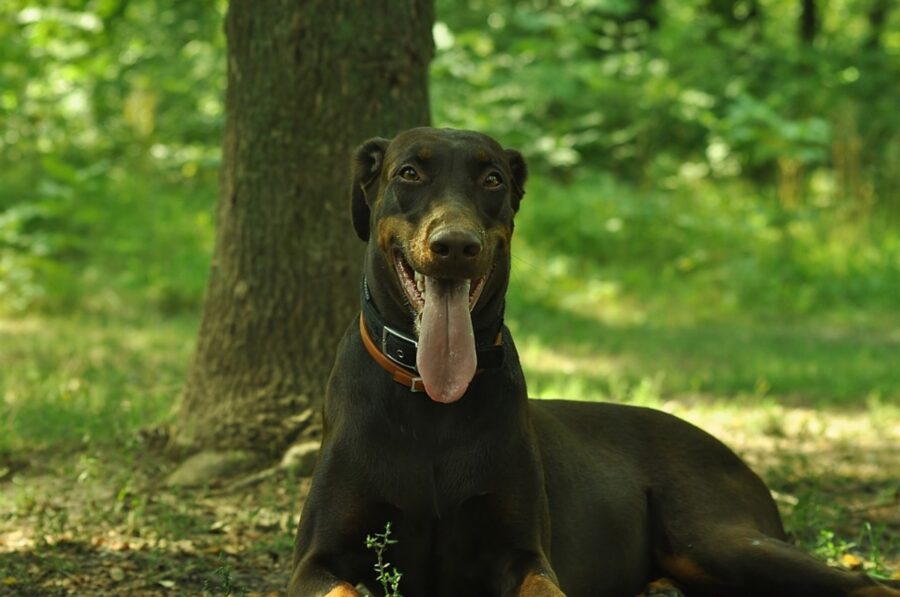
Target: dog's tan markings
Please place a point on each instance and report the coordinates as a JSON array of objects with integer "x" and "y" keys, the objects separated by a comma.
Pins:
[
  {"x": 424, "y": 153},
  {"x": 390, "y": 229},
  {"x": 482, "y": 156},
  {"x": 538, "y": 585},
  {"x": 660, "y": 586},
  {"x": 686, "y": 570},
  {"x": 417, "y": 250},
  {"x": 448, "y": 214},
  {"x": 342, "y": 590}
]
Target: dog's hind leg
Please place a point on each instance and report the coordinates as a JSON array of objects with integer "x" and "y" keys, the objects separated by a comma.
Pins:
[{"x": 744, "y": 561}]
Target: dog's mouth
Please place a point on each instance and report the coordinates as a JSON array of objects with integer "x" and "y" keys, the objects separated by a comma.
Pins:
[
  {"x": 414, "y": 286},
  {"x": 445, "y": 358}
]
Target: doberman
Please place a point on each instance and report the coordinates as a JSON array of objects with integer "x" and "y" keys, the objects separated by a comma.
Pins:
[{"x": 428, "y": 426}]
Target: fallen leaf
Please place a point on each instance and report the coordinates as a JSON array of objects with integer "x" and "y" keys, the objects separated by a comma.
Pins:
[
  {"x": 219, "y": 526},
  {"x": 851, "y": 562},
  {"x": 117, "y": 574}
]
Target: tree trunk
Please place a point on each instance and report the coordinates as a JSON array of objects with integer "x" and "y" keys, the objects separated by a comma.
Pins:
[
  {"x": 307, "y": 81},
  {"x": 809, "y": 22},
  {"x": 877, "y": 15}
]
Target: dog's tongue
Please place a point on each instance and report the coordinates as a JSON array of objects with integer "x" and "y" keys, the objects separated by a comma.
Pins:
[{"x": 446, "y": 355}]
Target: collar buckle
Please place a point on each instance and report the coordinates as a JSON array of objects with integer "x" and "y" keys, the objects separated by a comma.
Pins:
[{"x": 399, "y": 348}]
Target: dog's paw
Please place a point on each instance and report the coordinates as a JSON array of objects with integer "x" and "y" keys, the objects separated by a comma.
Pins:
[
  {"x": 661, "y": 587},
  {"x": 343, "y": 590},
  {"x": 538, "y": 585}
]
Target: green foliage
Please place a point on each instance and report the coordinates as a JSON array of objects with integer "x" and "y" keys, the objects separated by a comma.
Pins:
[
  {"x": 719, "y": 248},
  {"x": 226, "y": 586},
  {"x": 640, "y": 89},
  {"x": 699, "y": 140},
  {"x": 98, "y": 239},
  {"x": 110, "y": 120},
  {"x": 387, "y": 575}
]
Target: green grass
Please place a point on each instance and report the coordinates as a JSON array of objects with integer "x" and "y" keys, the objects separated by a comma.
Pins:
[
  {"x": 802, "y": 362},
  {"x": 120, "y": 240},
  {"x": 66, "y": 381}
]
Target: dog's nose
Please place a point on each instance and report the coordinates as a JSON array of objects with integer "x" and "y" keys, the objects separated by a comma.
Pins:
[{"x": 454, "y": 244}]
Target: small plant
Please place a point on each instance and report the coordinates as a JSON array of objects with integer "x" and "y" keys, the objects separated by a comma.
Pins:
[
  {"x": 877, "y": 542},
  {"x": 227, "y": 586},
  {"x": 387, "y": 575},
  {"x": 831, "y": 547}
]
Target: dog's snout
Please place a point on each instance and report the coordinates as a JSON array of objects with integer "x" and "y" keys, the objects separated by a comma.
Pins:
[{"x": 455, "y": 244}]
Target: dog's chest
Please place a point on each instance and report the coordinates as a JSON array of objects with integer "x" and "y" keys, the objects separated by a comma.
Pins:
[
  {"x": 429, "y": 484},
  {"x": 449, "y": 555}
]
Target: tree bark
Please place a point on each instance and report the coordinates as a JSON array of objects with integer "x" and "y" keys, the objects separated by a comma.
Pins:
[
  {"x": 307, "y": 81},
  {"x": 809, "y": 21},
  {"x": 877, "y": 15}
]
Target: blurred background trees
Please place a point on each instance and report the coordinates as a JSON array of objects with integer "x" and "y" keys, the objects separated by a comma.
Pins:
[
  {"x": 791, "y": 94},
  {"x": 107, "y": 109},
  {"x": 111, "y": 118}
]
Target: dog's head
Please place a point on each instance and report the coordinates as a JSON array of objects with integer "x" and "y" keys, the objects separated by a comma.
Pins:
[{"x": 436, "y": 207}]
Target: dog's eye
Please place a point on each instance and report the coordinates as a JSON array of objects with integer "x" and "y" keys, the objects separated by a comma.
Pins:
[
  {"x": 493, "y": 180},
  {"x": 409, "y": 174}
]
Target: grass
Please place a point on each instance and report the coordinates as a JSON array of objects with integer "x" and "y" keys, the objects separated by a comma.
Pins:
[
  {"x": 775, "y": 329},
  {"x": 795, "y": 361},
  {"x": 66, "y": 382}
]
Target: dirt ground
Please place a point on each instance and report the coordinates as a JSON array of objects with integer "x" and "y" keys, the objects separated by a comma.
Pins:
[{"x": 102, "y": 522}]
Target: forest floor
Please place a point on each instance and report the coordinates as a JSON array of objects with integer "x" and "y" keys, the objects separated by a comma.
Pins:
[{"x": 102, "y": 522}]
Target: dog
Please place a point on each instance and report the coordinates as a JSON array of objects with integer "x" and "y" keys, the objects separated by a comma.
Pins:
[{"x": 428, "y": 426}]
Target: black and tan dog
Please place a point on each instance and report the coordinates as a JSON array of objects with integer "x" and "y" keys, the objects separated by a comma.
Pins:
[{"x": 429, "y": 427}]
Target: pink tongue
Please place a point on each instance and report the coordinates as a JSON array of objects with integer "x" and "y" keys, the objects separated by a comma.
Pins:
[{"x": 446, "y": 354}]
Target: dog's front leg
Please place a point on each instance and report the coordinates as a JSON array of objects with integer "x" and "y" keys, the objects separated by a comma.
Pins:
[
  {"x": 330, "y": 555},
  {"x": 529, "y": 575},
  {"x": 539, "y": 585},
  {"x": 312, "y": 580},
  {"x": 343, "y": 590}
]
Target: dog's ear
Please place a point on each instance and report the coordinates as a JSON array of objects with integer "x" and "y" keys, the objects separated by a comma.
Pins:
[
  {"x": 519, "y": 173},
  {"x": 367, "y": 164}
]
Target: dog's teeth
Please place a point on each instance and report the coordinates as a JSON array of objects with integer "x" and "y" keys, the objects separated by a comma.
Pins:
[{"x": 420, "y": 282}]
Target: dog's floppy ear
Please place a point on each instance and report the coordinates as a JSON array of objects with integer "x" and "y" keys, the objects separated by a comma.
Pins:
[
  {"x": 519, "y": 173},
  {"x": 366, "y": 173}
]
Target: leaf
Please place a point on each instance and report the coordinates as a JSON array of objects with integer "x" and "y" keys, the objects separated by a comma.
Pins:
[{"x": 851, "y": 562}]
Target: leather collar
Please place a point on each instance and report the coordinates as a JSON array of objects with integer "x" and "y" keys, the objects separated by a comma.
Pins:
[{"x": 396, "y": 352}]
